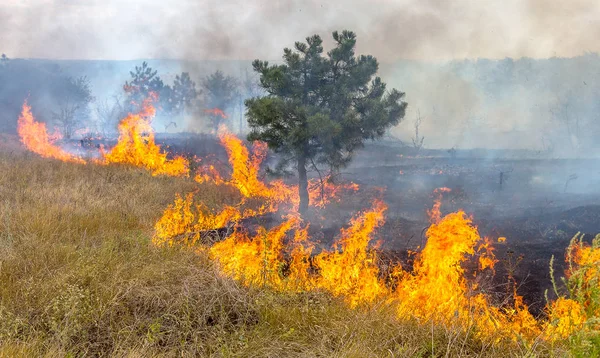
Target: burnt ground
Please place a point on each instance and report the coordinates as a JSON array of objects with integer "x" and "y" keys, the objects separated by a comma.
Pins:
[{"x": 537, "y": 202}]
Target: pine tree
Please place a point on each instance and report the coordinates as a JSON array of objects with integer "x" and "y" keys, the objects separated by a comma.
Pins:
[
  {"x": 183, "y": 93},
  {"x": 221, "y": 92},
  {"x": 319, "y": 109}
]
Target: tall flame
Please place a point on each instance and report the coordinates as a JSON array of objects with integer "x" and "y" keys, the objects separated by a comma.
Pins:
[
  {"x": 351, "y": 269},
  {"x": 136, "y": 145},
  {"x": 245, "y": 177},
  {"x": 437, "y": 289},
  {"x": 35, "y": 137},
  {"x": 245, "y": 168},
  {"x": 255, "y": 261}
]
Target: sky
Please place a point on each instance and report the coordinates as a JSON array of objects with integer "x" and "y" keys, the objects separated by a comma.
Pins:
[{"x": 425, "y": 30}]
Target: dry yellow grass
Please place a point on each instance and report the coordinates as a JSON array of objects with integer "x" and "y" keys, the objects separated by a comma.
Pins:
[{"x": 80, "y": 277}]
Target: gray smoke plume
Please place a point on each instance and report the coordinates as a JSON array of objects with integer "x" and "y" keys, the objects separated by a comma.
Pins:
[
  {"x": 391, "y": 30},
  {"x": 420, "y": 44}
]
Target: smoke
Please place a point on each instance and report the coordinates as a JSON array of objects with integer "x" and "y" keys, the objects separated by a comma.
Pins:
[
  {"x": 390, "y": 30},
  {"x": 420, "y": 43}
]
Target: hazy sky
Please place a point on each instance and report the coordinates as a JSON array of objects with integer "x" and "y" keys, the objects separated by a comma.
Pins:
[{"x": 243, "y": 29}]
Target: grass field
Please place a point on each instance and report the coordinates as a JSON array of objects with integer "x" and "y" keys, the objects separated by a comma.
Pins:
[{"x": 79, "y": 276}]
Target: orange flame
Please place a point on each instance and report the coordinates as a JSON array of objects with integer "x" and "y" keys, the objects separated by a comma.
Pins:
[
  {"x": 579, "y": 313},
  {"x": 435, "y": 214},
  {"x": 566, "y": 316},
  {"x": 437, "y": 290},
  {"x": 254, "y": 261},
  {"x": 245, "y": 177},
  {"x": 216, "y": 112},
  {"x": 136, "y": 145},
  {"x": 35, "y": 137},
  {"x": 245, "y": 168},
  {"x": 351, "y": 270}
]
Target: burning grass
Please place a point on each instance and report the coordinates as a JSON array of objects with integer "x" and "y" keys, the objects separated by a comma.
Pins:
[
  {"x": 136, "y": 145},
  {"x": 79, "y": 275},
  {"x": 66, "y": 228},
  {"x": 36, "y": 138}
]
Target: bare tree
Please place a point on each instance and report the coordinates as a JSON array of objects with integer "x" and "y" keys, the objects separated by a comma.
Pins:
[
  {"x": 67, "y": 118},
  {"x": 249, "y": 87},
  {"x": 417, "y": 140},
  {"x": 108, "y": 114},
  {"x": 73, "y": 108},
  {"x": 565, "y": 112}
]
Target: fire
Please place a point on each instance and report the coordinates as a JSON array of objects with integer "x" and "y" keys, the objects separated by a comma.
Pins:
[
  {"x": 350, "y": 270},
  {"x": 136, "y": 145},
  {"x": 35, "y": 137},
  {"x": 437, "y": 290},
  {"x": 184, "y": 222},
  {"x": 245, "y": 177},
  {"x": 566, "y": 316},
  {"x": 255, "y": 261},
  {"x": 435, "y": 213},
  {"x": 578, "y": 313},
  {"x": 216, "y": 112},
  {"x": 245, "y": 168}
]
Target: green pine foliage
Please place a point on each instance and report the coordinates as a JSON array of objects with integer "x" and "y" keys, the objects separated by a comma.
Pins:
[{"x": 320, "y": 108}]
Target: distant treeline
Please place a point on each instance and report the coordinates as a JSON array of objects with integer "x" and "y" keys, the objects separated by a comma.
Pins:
[
  {"x": 92, "y": 96},
  {"x": 548, "y": 104}
]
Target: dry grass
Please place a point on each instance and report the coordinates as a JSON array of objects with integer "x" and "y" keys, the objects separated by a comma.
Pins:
[{"x": 79, "y": 277}]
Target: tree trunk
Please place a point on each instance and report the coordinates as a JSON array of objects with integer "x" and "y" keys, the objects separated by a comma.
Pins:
[{"x": 302, "y": 185}]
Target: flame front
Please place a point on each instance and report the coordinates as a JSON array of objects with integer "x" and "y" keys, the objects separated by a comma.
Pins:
[
  {"x": 35, "y": 137},
  {"x": 136, "y": 145},
  {"x": 349, "y": 270},
  {"x": 437, "y": 290}
]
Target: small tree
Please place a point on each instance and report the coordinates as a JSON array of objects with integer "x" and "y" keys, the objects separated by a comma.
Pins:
[
  {"x": 320, "y": 109},
  {"x": 3, "y": 60},
  {"x": 566, "y": 112},
  {"x": 73, "y": 107},
  {"x": 417, "y": 140},
  {"x": 145, "y": 80},
  {"x": 109, "y": 113},
  {"x": 221, "y": 92},
  {"x": 183, "y": 93}
]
